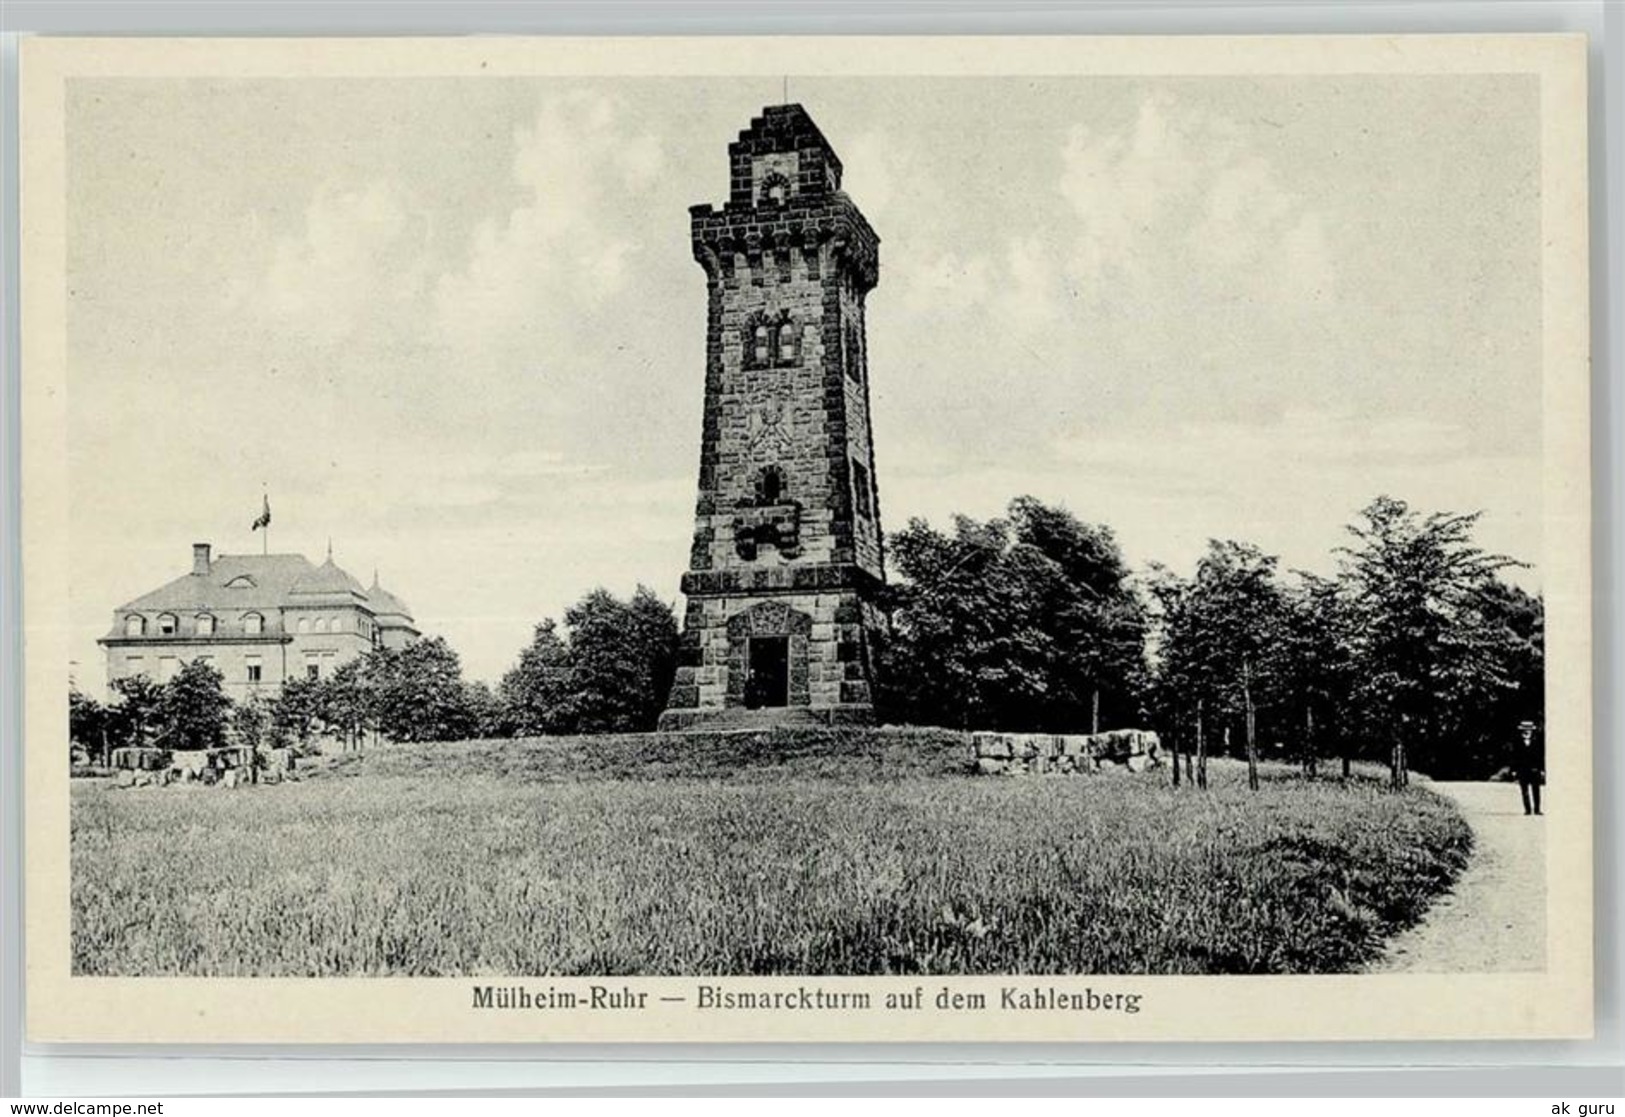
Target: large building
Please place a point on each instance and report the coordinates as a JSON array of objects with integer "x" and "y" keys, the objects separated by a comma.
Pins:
[
  {"x": 784, "y": 575},
  {"x": 257, "y": 619}
]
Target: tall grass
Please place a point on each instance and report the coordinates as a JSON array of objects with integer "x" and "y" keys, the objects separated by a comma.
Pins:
[{"x": 405, "y": 871}]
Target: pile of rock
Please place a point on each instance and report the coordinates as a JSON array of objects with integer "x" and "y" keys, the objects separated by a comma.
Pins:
[
  {"x": 229, "y": 767},
  {"x": 1012, "y": 754}
]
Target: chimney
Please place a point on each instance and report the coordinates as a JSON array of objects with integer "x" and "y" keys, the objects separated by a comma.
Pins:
[{"x": 200, "y": 558}]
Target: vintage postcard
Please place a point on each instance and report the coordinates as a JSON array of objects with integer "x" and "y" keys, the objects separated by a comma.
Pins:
[{"x": 806, "y": 539}]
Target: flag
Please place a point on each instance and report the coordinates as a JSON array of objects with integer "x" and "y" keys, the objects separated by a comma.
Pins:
[{"x": 264, "y": 519}]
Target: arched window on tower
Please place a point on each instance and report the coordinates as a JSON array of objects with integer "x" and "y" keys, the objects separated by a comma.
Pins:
[
  {"x": 789, "y": 343},
  {"x": 770, "y": 485},
  {"x": 775, "y": 189},
  {"x": 761, "y": 346}
]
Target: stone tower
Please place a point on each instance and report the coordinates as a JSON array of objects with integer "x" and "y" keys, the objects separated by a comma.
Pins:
[{"x": 786, "y": 567}]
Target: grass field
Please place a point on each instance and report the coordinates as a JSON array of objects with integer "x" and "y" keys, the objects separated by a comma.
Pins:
[{"x": 865, "y": 854}]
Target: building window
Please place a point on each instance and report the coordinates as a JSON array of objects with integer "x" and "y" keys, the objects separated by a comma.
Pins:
[
  {"x": 304, "y": 624},
  {"x": 854, "y": 356},
  {"x": 313, "y": 670},
  {"x": 253, "y": 669},
  {"x": 773, "y": 342},
  {"x": 761, "y": 346},
  {"x": 775, "y": 189},
  {"x": 770, "y": 485},
  {"x": 167, "y": 625},
  {"x": 135, "y": 625},
  {"x": 253, "y": 624},
  {"x": 860, "y": 489},
  {"x": 205, "y": 624},
  {"x": 789, "y": 344}
]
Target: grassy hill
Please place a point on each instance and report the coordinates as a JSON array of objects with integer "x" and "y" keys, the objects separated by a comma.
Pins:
[
  {"x": 836, "y": 852},
  {"x": 815, "y": 752}
]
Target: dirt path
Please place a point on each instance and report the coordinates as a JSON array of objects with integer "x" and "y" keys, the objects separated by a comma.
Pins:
[{"x": 1494, "y": 920}]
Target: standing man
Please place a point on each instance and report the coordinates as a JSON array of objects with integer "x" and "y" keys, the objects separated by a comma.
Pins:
[{"x": 1529, "y": 764}]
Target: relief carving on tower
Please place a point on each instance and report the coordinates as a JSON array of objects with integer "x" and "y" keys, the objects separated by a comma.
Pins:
[{"x": 767, "y": 517}]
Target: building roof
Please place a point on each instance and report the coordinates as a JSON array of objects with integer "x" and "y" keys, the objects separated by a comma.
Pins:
[
  {"x": 384, "y": 603},
  {"x": 234, "y": 584},
  {"x": 327, "y": 579}
]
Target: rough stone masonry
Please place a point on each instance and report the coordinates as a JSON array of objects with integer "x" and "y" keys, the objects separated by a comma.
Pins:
[{"x": 782, "y": 618}]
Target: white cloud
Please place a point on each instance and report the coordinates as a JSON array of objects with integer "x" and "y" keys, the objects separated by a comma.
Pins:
[
  {"x": 566, "y": 247},
  {"x": 1177, "y": 202},
  {"x": 359, "y": 256}
]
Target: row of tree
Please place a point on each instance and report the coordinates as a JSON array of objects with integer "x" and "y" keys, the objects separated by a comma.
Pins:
[
  {"x": 607, "y": 670},
  {"x": 415, "y": 693},
  {"x": 1417, "y": 653}
]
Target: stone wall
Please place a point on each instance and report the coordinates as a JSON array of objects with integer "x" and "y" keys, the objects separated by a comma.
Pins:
[{"x": 1012, "y": 754}]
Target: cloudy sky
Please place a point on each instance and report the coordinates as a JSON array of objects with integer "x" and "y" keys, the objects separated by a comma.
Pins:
[{"x": 454, "y": 326}]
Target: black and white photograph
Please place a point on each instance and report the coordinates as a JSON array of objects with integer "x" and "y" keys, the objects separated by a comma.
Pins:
[{"x": 638, "y": 537}]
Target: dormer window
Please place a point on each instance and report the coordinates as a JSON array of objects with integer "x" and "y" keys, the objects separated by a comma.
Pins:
[
  {"x": 135, "y": 625},
  {"x": 241, "y": 582},
  {"x": 304, "y": 624},
  {"x": 205, "y": 624},
  {"x": 253, "y": 624},
  {"x": 167, "y": 624}
]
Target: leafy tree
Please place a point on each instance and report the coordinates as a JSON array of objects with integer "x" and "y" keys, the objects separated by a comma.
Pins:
[
  {"x": 419, "y": 693},
  {"x": 88, "y": 722},
  {"x": 485, "y": 710},
  {"x": 193, "y": 708},
  {"x": 297, "y": 712},
  {"x": 345, "y": 702},
  {"x": 1097, "y": 621},
  {"x": 535, "y": 693},
  {"x": 1321, "y": 629},
  {"x": 251, "y": 722},
  {"x": 1029, "y": 622},
  {"x": 966, "y": 646},
  {"x": 1224, "y": 636},
  {"x": 134, "y": 718},
  {"x": 1494, "y": 678},
  {"x": 1428, "y": 642},
  {"x": 623, "y": 656},
  {"x": 608, "y": 672},
  {"x": 1182, "y": 683}
]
